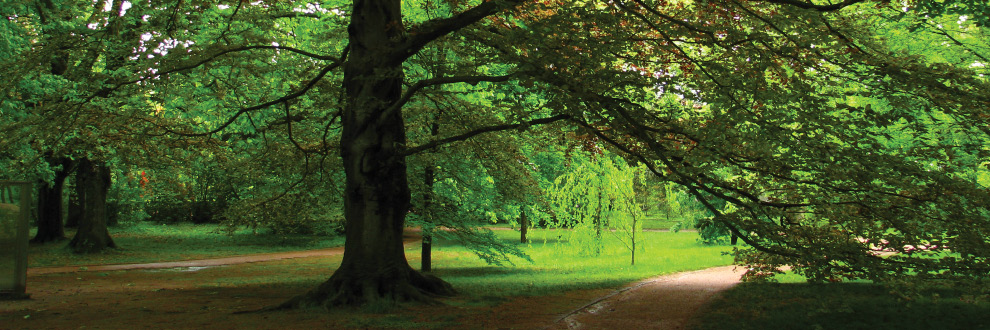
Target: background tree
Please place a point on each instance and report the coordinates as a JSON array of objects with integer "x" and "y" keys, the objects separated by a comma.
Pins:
[
  {"x": 65, "y": 109},
  {"x": 50, "y": 203}
]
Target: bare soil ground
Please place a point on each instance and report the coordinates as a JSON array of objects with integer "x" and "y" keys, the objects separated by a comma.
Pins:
[{"x": 206, "y": 294}]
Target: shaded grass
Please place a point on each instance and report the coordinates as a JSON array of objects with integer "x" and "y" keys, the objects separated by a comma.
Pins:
[
  {"x": 149, "y": 242},
  {"x": 403, "y": 322},
  {"x": 841, "y": 306}
]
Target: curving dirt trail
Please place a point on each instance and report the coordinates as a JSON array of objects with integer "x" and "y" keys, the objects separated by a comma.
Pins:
[
  {"x": 664, "y": 302},
  {"x": 235, "y": 260}
]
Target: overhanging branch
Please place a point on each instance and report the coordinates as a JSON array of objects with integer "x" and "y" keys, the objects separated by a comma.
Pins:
[
  {"x": 435, "y": 29},
  {"x": 337, "y": 61},
  {"x": 479, "y": 131},
  {"x": 412, "y": 90},
  {"x": 309, "y": 85},
  {"x": 821, "y": 8}
]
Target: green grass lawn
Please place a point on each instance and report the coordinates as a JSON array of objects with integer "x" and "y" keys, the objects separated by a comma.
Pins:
[
  {"x": 149, "y": 242},
  {"x": 559, "y": 267},
  {"x": 660, "y": 222}
]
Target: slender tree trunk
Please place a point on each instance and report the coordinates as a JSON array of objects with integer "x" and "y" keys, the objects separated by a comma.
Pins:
[
  {"x": 94, "y": 180},
  {"x": 7, "y": 195},
  {"x": 523, "y": 227},
  {"x": 429, "y": 178},
  {"x": 50, "y": 204},
  {"x": 598, "y": 227},
  {"x": 427, "y": 253},
  {"x": 374, "y": 269},
  {"x": 632, "y": 258},
  {"x": 426, "y": 256}
]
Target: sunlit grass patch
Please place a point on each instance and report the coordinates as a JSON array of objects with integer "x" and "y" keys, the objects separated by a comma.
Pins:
[{"x": 558, "y": 267}]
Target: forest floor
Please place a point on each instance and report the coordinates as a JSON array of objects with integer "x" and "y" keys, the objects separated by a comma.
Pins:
[{"x": 207, "y": 293}]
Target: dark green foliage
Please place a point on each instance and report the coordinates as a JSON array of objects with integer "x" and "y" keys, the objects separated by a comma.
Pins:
[
  {"x": 200, "y": 194},
  {"x": 975, "y": 10},
  {"x": 712, "y": 232}
]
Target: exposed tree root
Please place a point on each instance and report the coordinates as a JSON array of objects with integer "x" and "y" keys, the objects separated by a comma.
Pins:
[{"x": 384, "y": 289}]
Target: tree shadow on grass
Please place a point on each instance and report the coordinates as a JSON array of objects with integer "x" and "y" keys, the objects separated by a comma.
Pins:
[
  {"x": 466, "y": 272},
  {"x": 842, "y": 306}
]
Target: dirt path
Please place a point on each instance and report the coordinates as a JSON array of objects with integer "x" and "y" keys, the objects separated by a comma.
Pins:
[
  {"x": 410, "y": 236},
  {"x": 243, "y": 259},
  {"x": 664, "y": 302}
]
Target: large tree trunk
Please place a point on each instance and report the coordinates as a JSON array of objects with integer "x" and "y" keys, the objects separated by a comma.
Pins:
[
  {"x": 94, "y": 181},
  {"x": 50, "y": 210},
  {"x": 374, "y": 269}
]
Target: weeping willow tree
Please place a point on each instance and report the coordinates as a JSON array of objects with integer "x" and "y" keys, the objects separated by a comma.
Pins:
[{"x": 596, "y": 201}]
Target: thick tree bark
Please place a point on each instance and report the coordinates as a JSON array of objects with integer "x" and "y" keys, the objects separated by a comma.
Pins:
[
  {"x": 50, "y": 210},
  {"x": 374, "y": 269},
  {"x": 93, "y": 178}
]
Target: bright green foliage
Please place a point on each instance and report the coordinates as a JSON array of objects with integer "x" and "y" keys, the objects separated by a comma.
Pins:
[{"x": 594, "y": 199}]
